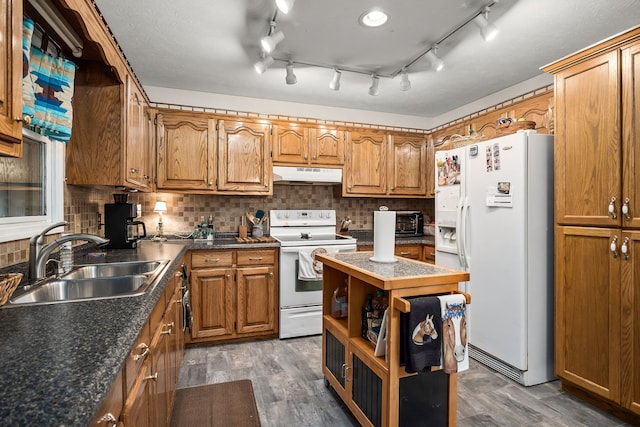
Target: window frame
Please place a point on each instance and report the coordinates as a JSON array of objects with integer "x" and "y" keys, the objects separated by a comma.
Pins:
[{"x": 17, "y": 228}]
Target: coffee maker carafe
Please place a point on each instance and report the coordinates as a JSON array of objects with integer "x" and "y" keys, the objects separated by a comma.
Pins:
[{"x": 119, "y": 225}]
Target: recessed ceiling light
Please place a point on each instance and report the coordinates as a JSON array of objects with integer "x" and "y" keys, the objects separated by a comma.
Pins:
[{"x": 373, "y": 18}]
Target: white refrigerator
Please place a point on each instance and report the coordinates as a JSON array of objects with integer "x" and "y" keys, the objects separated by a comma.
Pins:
[{"x": 494, "y": 219}]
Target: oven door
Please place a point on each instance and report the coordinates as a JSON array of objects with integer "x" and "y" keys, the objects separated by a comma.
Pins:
[{"x": 299, "y": 293}]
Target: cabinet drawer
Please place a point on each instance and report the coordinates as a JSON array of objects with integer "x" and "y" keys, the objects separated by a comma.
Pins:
[
  {"x": 408, "y": 251},
  {"x": 256, "y": 257},
  {"x": 138, "y": 354},
  {"x": 208, "y": 259}
]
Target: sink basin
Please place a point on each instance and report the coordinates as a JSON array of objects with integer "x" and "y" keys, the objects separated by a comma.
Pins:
[
  {"x": 92, "y": 282},
  {"x": 112, "y": 269},
  {"x": 75, "y": 289}
]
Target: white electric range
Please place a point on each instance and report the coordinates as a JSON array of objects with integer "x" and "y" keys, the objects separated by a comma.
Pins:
[{"x": 302, "y": 234}]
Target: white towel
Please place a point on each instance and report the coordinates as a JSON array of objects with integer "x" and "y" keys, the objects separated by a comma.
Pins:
[
  {"x": 455, "y": 330},
  {"x": 308, "y": 267}
]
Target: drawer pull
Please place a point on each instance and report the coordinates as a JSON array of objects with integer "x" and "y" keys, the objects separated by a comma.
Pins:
[
  {"x": 255, "y": 258},
  {"x": 109, "y": 419},
  {"x": 144, "y": 353},
  {"x": 405, "y": 253},
  {"x": 152, "y": 377},
  {"x": 170, "y": 330},
  {"x": 212, "y": 260}
]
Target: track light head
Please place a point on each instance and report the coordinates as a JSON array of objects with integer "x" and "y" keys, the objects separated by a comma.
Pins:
[
  {"x": 262, "y": 65},
  {"x": 291, "y": 78},
  {"x": 436, "y": 63},
  {"x": 334, "y": 84},
  {"x": 488, "y": 31},
  {"x": 375, "y": 82},
  {"x": 270, "y": 42},
  {"x": 405, "y": 84},
  {"x": 285, "y": 6}
]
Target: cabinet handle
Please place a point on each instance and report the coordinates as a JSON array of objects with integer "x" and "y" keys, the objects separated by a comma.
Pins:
[
  {"x": 625, "y": 248},
  {"x": 404, "y": 253},
  {"x": 133, "y": 170},
  {"x": 178, "y": 274},
  {"x": 613, "y": 247},
  {"x": 346, "y": 373},
  {"x": 255, "y": 258},
  {"x": 152, "y": 377},
  {"x": 170, "y": 330},
  {"x": 145, "y": 176},
  {"x": 612, "y": 208},
  {"x": 228, "y": 276},
  {"x": 210, "y": 183},
  {"x": 108, "y": 418},
  {"x": 212, "y": 260},
  {"x": 315, "y": 157},
  {"x": 304, "y": 157},
  {"x": 144, "y": 353},
  {"x": 625, "y": 209}
]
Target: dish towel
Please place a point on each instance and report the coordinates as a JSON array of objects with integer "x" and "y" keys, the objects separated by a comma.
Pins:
[
  {"x": 187, "y": 321},
  {"x": 421, "y": 334},
  {"x": 308, "y": 267},
  {"x": 455, "y": 348}
]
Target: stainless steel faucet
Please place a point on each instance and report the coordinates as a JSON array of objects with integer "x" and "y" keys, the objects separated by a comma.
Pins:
[
  {"x": 35, "y": 244},
  {"x": 42, "y": 255}
]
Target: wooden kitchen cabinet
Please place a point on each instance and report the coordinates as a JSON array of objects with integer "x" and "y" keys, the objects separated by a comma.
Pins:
[
  {"x": 151, "y": 371},
  {"x": 597, "y": 220},
  {"x": 304, "y": 145},
  {"x": 386, "y": 165},
  {"x": 186, "y": 151},
  {"x": 429, "y": 254},
  {"x": 234, "y": 294},
  {"x": 11, "y": 78},
  {"x": 244, "y": 158},
  {"x": 365, "y": 172},
  {"x": 408, "y": 165},
  {"x": 412, "y": 251},
  {"x": 139, "y": 152}
]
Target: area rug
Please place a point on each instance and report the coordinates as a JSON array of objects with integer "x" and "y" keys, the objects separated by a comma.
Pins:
[{"x": 230, "y": 404}]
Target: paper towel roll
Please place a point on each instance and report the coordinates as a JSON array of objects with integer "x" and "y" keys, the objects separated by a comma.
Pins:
[{"x": 384, "y": 236}]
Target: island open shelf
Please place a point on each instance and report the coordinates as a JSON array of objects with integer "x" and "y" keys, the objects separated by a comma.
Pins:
[{"x": 371, "y": 385}]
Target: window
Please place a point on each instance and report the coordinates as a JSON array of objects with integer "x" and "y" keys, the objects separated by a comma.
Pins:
[{"x": 31, "y": 188}]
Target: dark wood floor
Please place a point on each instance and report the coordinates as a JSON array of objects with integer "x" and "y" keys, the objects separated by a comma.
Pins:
[{"x": 290, "y": 391}]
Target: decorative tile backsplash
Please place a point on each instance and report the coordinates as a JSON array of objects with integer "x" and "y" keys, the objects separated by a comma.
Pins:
[{"x": 83, "y": 204}]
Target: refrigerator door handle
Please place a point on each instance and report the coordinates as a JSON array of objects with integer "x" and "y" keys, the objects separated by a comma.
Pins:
[
  {"x": 460, "y": 233},
  {"x": 465, "y": 247}
]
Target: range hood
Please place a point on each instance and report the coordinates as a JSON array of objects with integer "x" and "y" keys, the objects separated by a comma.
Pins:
[{"x": 302, "y": 175}]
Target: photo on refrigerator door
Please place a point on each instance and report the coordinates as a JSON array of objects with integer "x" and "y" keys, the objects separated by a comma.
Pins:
[{"x": 449, "y": 169}]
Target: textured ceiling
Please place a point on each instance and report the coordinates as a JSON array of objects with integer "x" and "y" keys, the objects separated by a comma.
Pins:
[{"x": 210, "y": 46}]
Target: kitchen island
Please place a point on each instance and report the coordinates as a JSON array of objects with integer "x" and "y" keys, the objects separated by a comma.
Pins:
[
  {"x": 59, "y": 361},
  {"x": 348, "y": 360}
]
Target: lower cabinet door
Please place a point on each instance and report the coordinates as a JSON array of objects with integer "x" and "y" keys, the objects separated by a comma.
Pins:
[
  {"x": 138, "y": 408},
  {"x": 256, "y": 300},
  {"x": 367, "y": 392},
  {"x": 212, "y": 299}
]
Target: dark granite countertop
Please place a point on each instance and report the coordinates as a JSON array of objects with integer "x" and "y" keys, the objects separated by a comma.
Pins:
[
  {"x": 59, "y": 360},
  {"x": 365, "y": 238}
]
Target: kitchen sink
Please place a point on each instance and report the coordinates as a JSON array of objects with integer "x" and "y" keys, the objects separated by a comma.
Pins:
[
  {"x": 112, "y": 269},
  {"x": 92, "y": 282}
]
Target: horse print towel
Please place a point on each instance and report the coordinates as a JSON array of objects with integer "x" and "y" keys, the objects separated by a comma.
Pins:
[
  {"x": 421, "y": 334},
  {"x": 455, "y": 349}
]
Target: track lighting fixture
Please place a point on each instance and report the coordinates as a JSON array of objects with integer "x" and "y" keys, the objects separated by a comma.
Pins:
[
  {"x": 436, "y": 63},
  {"x": 291, "y": 78},
  {"x": 285, "y": 6},
  {"x": 375, "y": 81},
  {"x": 405, "y": 84},
  {"x": 334, "y": 84},
  {"x": 488, "y": 31},
  {"x": 270, "y": 42},
  {"x": 262, "y": 65}
]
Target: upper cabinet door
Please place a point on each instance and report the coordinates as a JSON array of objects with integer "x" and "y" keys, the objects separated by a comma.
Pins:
[
  {"x": 186, "y": 151},
  {"x": 408, "y": 167},
  {"x": 138, "y": 156},
  {"x": 11, "y": 78},
  {"x": 244, "y": 163},
  {"x": 366, "y": 167},
  {"x": 290, "y": 144},
  {"x": 588, "y": 154},
  {"x": 326, "y": 146},
  {"x": 630, "y": 136}
]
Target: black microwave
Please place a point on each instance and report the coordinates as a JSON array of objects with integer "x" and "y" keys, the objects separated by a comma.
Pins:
[{"x": 409, "y": 223}]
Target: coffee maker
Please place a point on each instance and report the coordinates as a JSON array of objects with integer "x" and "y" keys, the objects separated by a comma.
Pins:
[{"x": 119, "y": 226}]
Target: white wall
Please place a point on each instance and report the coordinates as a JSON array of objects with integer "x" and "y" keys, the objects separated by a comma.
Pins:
[{"x": 265, "y": 106}]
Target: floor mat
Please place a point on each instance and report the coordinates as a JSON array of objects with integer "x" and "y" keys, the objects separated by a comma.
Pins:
[{"x": 216, "y": 405}]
